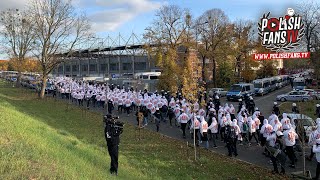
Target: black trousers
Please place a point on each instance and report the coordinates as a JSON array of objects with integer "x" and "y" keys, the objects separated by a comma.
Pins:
[
  {"x": 183, "y": 127},
  {"x": 113, "y": 149},
  {"x": 232, "y": 146},
  {"x": 318, "y": 171},
  {"x": 253, "y": 135},
  {"x": 275, "y": 165},
  {"x": 290, "y": 153}
]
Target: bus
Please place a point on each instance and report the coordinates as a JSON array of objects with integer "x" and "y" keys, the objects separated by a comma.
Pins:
[{"x": 147, "y": 75}]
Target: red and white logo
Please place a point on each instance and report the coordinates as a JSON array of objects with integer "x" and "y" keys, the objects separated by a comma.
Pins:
[{"x": 282, "y": 33}]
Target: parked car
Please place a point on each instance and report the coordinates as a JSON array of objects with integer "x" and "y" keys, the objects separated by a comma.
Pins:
[
  {"x": 295, "y": 96},
  {"x": 314, "y": 93},
  {"x": 219, "y": 91},
  {"x": 305, "y": 120}
]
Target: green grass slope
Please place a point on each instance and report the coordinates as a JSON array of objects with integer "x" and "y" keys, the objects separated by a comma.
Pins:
[{"x": 45, "y": 139}]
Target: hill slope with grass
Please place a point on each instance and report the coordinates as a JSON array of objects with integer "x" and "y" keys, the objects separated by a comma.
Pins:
[{"x": 46, "y": 139}]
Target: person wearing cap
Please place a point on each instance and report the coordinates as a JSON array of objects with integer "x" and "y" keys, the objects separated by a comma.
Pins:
[
  {"x": 290, "y": 137},
  {"x": 276, "y": 109},
  {"x": 217, "y": 103},
  {"x": 251, "y": 105},
  {"x": 318, "y": 110},
  {"x": 257, "y": 112},
  {"x": 295, "y": 108},
  {"x": 316, "y": 149},
  {"x": 110, "y": 106}
]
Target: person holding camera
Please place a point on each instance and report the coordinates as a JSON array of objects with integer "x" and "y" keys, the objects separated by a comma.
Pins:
[{"x": 112, "y": 131}]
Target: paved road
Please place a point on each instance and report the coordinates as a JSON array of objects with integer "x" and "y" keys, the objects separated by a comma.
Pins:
[
  {"x": 252, "y": 154},
  {"x": 264, "y": 103}
]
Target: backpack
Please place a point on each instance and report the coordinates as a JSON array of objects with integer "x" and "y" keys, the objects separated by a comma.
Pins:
[
  {"x": 231, "y": 134},
  {"x": 245, "y": 127}
]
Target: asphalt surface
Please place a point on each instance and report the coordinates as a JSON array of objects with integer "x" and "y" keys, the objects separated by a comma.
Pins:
[{"x": 252, "y": 154}]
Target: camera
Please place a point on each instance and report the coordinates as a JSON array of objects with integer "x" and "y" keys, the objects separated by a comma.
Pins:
[{"x": 112, "y": 126}]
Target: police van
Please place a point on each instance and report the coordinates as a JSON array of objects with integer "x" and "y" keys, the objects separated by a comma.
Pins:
[
  {"x": 262, "y": 86},
  {"x": 238, "y": 91},
  {"x": 299, "y": 83}
]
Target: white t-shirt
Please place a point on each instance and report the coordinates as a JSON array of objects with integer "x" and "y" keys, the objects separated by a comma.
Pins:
[{"x": 290, "y": 137}]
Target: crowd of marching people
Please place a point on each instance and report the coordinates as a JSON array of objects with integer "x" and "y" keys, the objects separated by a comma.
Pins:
[{"x": 243, "y": 125}]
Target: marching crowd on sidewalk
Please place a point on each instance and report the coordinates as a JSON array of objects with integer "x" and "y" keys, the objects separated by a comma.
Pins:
[{"x": 242, "y": 125}]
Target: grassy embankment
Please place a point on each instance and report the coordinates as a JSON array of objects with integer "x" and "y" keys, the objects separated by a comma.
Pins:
[
  {"x": 42, "y": 139},
  {"x": 307, "y": 108}
]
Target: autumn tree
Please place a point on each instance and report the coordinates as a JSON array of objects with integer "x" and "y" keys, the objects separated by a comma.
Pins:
[
  {"x": 17, "y": 35},
  {"x": 58, "y": 28},
  {"x": 214, "y": 30},
  {"x": 168, "y": 31},
  {"x": 242, "y": 44},
  {"x": 191, "y": 76},
  {"x": 4, "y": 65},
  {"x": 310, "y": 12},
  {"x": 267, "y": 69}
]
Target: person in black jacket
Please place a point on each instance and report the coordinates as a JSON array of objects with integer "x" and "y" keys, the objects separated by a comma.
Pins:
[
  {"x": 158, "y": 117},
  {"x": 112, "y": 131},
  {"x": 170, "y": 115},
  {"x": 295, "y": 108},
  {"x": 251, "y": 105},
  {"x": 276, "y": 109},
  {"x": 110, "y": 106},
  {"x": 318, "y": 110},
  {"x": 240, "y": 105}
]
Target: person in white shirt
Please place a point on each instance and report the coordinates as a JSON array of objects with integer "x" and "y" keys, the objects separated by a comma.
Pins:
[
  {"x": 275, "y": 147},
  {"x": 277, "y": 125},
  {"x": 266, "y": 130},
  {"x": 183, "y": 120},
  {"x": 316, "y": 149},
  {"x": 213, "y": 131},
  {"x": 234, "y": 124},
  {"x": 177, "y": 112},
  {"x": 314, "y": 135},
  {"x": 252, "y": 130},
  {"x": 194, "y": 128},
  {"x": 222, "y": 123},
  {"x": 204, "y": 132},
  {"x": 232, "y": 112},
  {"x": 290, "y": 137},
  {"x": 128, "y": 104}
]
